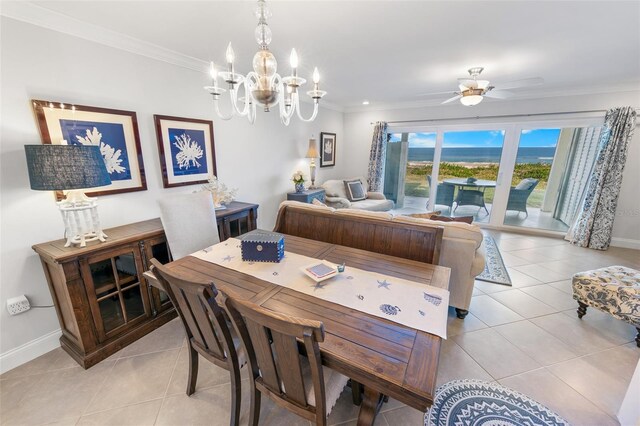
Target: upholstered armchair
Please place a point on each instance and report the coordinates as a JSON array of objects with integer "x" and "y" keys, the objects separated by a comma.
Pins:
[
  {"x": 336, "y": 197},
  {"x": 519, "y": 195}
]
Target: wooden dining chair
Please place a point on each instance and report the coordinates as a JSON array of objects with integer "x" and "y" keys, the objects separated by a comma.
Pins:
[
  {"x": 189, "y": 222},
  {"x": 273, "y": 342},
  {"x": 208, "y": 331}
]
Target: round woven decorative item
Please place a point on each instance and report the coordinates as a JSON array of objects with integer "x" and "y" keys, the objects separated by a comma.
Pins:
[{"x": 475, "y": 403}]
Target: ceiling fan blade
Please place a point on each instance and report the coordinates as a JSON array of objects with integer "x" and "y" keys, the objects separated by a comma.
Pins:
[
  {"x": 456, "y": 97},
  {"x": 525, "y": 82},
  {"x": 498, "y": 94},
  {"x": 418, "y": 95}
]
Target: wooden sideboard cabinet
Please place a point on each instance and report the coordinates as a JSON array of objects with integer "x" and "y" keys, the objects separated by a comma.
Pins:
[
  {"x": 102, "y": 299},
  {"x": 101, "y": 296}
]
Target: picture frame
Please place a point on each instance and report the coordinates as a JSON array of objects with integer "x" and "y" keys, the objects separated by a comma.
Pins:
[
  {"x": 187, "y": 150},
  {"x": 327, "y": 149},
  {"x": 115, "y": 131}
]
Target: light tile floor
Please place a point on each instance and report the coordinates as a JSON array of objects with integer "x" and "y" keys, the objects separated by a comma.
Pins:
[{"x": 526, "y": 337}]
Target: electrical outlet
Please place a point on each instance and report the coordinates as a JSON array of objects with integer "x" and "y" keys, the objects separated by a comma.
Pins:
[{"x": 18, "y": 305}]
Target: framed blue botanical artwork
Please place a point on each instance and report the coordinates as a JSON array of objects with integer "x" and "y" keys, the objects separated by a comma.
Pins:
[
  {"x": 114, "y": 131},
  {"x": 187, "y": 151}
]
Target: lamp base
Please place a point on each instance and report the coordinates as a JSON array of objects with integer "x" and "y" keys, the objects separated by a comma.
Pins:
[{"x": 81, "y": 220}]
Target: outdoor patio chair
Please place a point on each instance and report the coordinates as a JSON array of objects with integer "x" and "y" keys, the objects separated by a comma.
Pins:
[
  {"x": 519, "y": 195},
  {"x": 444, "y": 194}
]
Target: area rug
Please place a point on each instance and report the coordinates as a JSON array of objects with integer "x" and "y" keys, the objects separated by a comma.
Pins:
[
  {"x": 494, "y": 269},
  {"x": 476, "y": 403}
]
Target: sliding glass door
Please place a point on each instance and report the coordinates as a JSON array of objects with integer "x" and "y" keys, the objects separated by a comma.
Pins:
[
  {"x": 551, "y": 171},
  {"x": 530, "y": 175}
]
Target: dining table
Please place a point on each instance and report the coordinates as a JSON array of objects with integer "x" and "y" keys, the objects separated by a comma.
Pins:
[
  {"x": 387, "y": 358},
  {"x": 470, "y": 192}
]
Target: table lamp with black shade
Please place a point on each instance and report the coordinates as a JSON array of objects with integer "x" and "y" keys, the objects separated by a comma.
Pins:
[{"x": 71, "y": 168}]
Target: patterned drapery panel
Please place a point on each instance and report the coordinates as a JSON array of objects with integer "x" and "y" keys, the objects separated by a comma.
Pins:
[
  {"x": 595, "y": 222},
  {"x": 377, "y": 157}
]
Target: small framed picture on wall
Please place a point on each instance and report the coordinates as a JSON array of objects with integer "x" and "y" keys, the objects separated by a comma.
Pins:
[
  {"x": 187, "y": 150},
  {"x": 327, "y": 149},
  {"x": 114, "y": 131}
]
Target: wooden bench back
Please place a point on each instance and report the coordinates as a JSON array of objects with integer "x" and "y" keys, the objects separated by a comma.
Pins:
[{"x": 408, "y": 241}]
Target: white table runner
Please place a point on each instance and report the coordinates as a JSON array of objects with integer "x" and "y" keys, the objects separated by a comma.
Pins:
[{"x": 409, "y": 303}]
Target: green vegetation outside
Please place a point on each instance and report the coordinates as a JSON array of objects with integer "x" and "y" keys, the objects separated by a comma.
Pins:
[{"x": 416, "y": 178}]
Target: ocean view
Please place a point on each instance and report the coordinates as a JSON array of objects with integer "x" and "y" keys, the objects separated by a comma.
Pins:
[{"x": 526, "y": 155}]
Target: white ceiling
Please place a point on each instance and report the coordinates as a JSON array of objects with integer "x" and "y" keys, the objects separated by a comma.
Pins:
[{"x": 389, "y": 51}]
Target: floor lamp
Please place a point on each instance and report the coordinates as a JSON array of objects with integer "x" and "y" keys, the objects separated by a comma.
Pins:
[{"x": 71, "y": 168}]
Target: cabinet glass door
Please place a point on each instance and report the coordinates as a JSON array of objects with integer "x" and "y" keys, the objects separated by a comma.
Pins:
[{"x": 119, "y": 298}]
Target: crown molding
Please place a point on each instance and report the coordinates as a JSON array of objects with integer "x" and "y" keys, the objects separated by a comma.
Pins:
[
  {"x": 31, "y": 13},
  {"x": 42, "y": 17}
]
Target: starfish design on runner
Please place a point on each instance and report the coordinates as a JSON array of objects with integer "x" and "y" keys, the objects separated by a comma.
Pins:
[
  {"x": 318, "y": 286},
  {"x": 227, "y": 258},
  {"x": 384, "y": 283}
]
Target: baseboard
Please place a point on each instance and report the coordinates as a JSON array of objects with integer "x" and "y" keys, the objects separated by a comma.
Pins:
[
  {"x": 30, "y": 350},
  {"x": 625, "y": 243}
]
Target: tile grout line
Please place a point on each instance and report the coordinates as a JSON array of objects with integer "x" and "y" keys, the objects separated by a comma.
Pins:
[
  {"x": 106, "y": 376},
  {"x": 582, "y": 395},
  {"x": 173, "y": 371}
]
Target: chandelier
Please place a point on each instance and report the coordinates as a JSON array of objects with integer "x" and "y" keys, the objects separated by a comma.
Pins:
[{"x": 263, "y": 86}]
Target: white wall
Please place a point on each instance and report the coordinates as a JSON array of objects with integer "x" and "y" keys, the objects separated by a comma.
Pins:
[
  {"x": 42, "y": 64},
  {"x": 626, "y": 231}
]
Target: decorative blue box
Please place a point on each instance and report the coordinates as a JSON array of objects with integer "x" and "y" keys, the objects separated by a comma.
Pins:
[{"x": 262, "y": 246}]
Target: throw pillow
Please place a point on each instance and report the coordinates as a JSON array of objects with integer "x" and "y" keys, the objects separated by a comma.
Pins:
[
  {"x": 318, "y": 202},
  {"x": 425, "y": 215},
  {"x": 355, "y": 190},
  {"x": 464, "y": 219}
]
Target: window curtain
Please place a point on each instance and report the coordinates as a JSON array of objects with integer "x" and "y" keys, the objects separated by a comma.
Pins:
[
  {"x": 377, "y": 157},
  {"x": 594, "y": 223}
]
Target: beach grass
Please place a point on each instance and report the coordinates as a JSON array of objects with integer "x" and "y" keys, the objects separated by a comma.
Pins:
[{"x": 416, "y": 177}]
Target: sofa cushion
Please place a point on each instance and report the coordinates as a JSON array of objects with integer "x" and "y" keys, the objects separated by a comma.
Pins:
[
  {"x": 334, "y": 188},
  {"x": 307, "y": 206},
  {"x": 451, "y": 229},
  {"x": 426, "y": 215},
  {"x": 373, "y": 205},
  {"x": 462, "y": 219},
  {"x": 317, "y": 202},
  {"x": 364, "y": 213},
  {"x": 355, "y": 190}
]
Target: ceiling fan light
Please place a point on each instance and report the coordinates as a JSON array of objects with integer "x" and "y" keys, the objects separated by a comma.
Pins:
[{"x": 471, "y": 100}]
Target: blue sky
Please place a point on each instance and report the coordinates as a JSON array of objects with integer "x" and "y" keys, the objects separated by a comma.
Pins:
[{"x": 482, "y": 138}]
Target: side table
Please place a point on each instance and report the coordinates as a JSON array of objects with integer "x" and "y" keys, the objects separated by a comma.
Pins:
[
  {"x": 236, "y": 219},
  {"x": 307, "y": 196}
]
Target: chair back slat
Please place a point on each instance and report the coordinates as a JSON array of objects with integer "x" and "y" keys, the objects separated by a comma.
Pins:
[
  {"x": 264, "y": 356},
  {"x": 203, "y": 319},
  {"x": 276, "y": 363},
  {"x": 286, "y": 353},
  {"x": 198, "y": 303}
]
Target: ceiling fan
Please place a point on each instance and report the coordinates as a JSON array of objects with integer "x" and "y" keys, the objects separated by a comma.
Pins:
[{"x": 472, "y": 90}]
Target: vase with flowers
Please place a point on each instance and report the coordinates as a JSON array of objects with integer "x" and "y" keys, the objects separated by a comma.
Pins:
[{"x": 298, "y": 180}]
